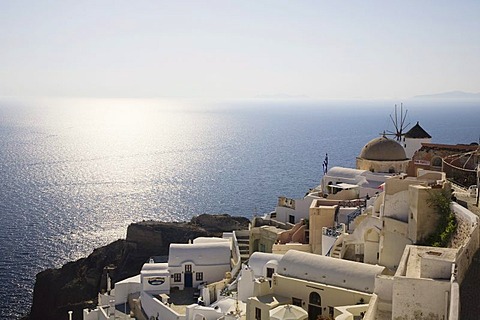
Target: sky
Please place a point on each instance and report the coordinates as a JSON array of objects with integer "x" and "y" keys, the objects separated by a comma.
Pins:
[{"x": 238, "y": 49}]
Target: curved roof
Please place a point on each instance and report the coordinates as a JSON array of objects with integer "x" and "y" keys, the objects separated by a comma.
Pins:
[
  {"x": 258, "y": 260},
  {"x": 201, "y": 254},
  {"x": 331, "y": 271},
  {"x": 347, "y": 173},
  {"x": 383, "y": 149}
]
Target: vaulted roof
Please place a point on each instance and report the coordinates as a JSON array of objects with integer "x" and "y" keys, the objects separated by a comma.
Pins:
[{"x": 331, "y": 271}]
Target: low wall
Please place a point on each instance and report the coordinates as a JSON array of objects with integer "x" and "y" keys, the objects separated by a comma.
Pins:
[
  {"x": 214, "y": 290},
  {"x": 283, "y": 248},
  {"x": 350, "y": 312},
  {"x": 371, "y": 313},
  {"x": 200, "y": 312},
  {"x": 155, "y": 308},
  {"x": 454, "y": 308},
  {"x": 465, "y": 253},
  {"x": 97, "y": 314},
  {"x": 463, "y": 259}
]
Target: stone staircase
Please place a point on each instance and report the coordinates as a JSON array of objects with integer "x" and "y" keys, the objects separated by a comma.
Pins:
[
  {"x": 337, "y": 251},
  {"x": 243, "y": 239}
]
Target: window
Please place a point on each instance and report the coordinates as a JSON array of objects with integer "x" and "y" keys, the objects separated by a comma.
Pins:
[
  {"x": 177, "y": 277},
  {"x": 270, "y": 272},
  {"x": 258, "y": 314},
  {"x": 296, "y": 302},
  {"x": 199, "y": 276},
  {"x": 188, "y": 268},
  {"x": 331, "y": 311},
  {"x": 291, "y": 219},
  {"x": 315, "y": 299}
]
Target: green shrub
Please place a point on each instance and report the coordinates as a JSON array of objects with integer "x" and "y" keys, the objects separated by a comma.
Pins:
[{"x": 447, "y": 223}]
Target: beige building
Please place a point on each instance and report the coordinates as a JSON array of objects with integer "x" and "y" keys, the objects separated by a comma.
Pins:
[
  {"x": 400, "y": 216},
  {"x": 316, "y": 283}
]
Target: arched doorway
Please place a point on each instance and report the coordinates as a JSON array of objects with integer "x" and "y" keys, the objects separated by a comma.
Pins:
[{"x": 314, "y": 306}]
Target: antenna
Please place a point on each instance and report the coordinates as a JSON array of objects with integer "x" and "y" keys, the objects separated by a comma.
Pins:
[{"x": 399, "y": 124}]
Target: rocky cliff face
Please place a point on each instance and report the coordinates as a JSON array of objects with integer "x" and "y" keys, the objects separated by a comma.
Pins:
[{"x": 75, "y": 286}]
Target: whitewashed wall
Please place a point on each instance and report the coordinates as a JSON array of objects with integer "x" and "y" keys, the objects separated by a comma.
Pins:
[
  {"x": 415, "y": 298},
  {"x": 153, "y": 307}
]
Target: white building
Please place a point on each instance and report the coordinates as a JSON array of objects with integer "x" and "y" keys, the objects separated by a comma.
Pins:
[
  {"x": 317, "y": 284},
  {"x": 198, "y": 262},
  {"x": 261, "y": 267},
  {"x": 194, "y": 265},
  {"x": 413, "y": 139},
  {"x": 368, "y": 182}
]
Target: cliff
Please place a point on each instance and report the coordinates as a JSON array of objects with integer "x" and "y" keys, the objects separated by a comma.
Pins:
[{"x": 76, "y": 284}]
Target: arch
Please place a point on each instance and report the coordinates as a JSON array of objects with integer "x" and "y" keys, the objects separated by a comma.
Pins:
[
  {"x": 436, "y": 162},
  {"x": 372, "y": 235}
]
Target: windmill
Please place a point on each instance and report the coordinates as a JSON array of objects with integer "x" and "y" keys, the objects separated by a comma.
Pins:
[{"x": 399, "y": 124}]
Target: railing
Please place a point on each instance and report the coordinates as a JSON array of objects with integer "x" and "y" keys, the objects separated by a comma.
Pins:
[
  {"x": 353, "y": 203},
  {"x": 333, "y": 232},
  {"x": 351, "y": 216},
  {"x": 330, "y": 250},
  {"x": 337, "y": 242}
]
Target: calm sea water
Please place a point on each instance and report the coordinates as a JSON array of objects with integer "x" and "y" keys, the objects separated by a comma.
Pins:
[{"x": 75, "y": 173}]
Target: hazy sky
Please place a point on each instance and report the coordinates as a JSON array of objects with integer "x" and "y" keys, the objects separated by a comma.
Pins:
[{"x": 241, "y": 49}]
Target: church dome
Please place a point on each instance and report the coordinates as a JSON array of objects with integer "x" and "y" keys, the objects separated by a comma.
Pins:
[{"x": 383, "y": 149}]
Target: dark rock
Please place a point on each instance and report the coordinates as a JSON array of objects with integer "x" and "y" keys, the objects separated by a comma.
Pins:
[
  {"x": 71, "y": 287},
  {"x": 220, "y": 223},
  {"x": 75, "y": 285}
]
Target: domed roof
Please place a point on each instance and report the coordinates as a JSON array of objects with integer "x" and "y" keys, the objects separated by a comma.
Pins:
[{"x": 383, "y": 149}]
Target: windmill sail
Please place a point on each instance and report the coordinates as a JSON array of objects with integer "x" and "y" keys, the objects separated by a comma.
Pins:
[{"x": 398, "y": 123}]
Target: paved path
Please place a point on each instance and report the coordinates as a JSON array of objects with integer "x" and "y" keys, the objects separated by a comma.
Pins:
[
  {"x": 470, "y": 288},
  {"x": 470, "y": 291}
]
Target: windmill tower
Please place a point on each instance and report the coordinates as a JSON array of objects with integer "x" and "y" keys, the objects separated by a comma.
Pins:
[{"x": 413, "y": 139}]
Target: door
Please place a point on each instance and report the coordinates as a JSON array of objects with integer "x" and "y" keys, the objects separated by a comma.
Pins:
[
  {"x": 188, "y": 279},
  {"x": 314, "y": 306},
  {"x": 188, "y": 276}
]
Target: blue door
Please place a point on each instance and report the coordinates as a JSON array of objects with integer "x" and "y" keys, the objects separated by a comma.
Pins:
[
  {"x": 188, "y": 279},
  {"x": 188, "y": 276}
]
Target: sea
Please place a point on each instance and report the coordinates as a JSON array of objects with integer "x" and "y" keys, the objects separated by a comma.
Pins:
[{"x": 74, "y": 173}]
